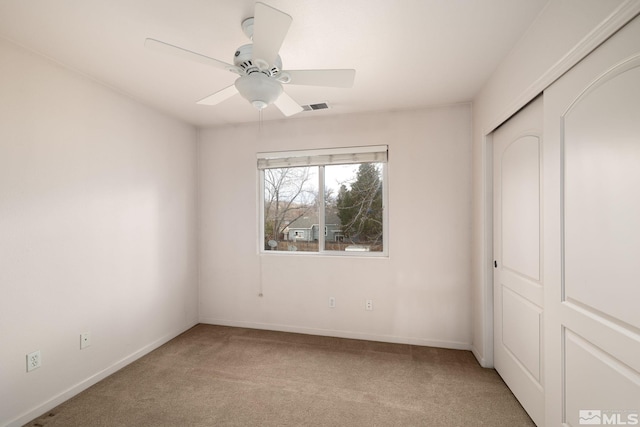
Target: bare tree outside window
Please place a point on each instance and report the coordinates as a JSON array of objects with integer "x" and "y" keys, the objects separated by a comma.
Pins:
[{"x": 290, "y": 195}]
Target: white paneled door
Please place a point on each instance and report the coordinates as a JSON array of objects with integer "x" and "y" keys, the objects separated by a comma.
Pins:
[
  {"x": 517, "y": 287},
  {"x": 592, "y": 237}
]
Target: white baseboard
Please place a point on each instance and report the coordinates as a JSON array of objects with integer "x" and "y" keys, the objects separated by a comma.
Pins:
[
  {"x": 481, "y": 359},
  {"x": 93, "y": 379},
  {"x": 455, "y": 345}
]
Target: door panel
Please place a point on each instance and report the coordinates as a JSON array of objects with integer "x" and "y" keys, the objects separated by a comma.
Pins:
[
  {"x": 591, "y": 376},
  {"x": 592, "y": 237},
  {"x": 521, "y": 206},
  {"x": 518, "y": 291},
  {"x": 521, "y": 322},
  {"x": 602, "y": 195}
]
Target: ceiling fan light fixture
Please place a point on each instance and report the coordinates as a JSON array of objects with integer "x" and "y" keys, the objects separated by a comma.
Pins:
[
  {"x": 259, "y": 89},
  {"x": 259, "y": 105}
]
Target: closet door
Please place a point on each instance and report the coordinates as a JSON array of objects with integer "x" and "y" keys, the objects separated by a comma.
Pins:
[
  {"x": 591, "y": 162},
  {"x": 517, "y": 288}
]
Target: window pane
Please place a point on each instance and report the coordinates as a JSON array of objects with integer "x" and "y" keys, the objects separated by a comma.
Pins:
[
  {"x": 291, "y": 209},
  {"x": 354, "y": 208}
]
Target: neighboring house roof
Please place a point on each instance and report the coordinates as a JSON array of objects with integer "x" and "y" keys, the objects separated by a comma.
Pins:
[
  {"x": 309, "y": 221},
  {"x": 303, "y": 222}
]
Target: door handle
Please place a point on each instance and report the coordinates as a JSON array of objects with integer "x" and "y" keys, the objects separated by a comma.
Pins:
[{"x": 495, "y": 264}]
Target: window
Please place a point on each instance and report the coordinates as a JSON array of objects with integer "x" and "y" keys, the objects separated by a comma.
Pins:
[{"x": 324, "y": 201}]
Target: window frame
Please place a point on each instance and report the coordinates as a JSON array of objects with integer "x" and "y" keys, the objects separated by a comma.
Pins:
[{"x": 334, "y": 156}]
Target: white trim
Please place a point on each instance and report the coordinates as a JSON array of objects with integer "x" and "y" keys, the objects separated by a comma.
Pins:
[
  {"x": 481, "y": 360},
  {"x": 95, "y": 378},
  {"x": 488, "y": 258},
  {"x": 322, "y": 223},
  {"x": 385, "y": 209},
  {"x": 260, "y": 241},
  {"x": 323, "y": 157},
  {"x": 456, "y": 345},
  {"x": 323, "y": 152},
  {"x": 320, "y": 162},
  {"x": 198, "y": 213}
]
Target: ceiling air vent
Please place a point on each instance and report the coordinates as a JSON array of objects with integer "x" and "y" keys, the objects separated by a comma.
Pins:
[{"x": 311, "y": 107}]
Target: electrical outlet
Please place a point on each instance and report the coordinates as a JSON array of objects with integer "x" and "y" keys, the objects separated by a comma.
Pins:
[
  {"x": 34, "y": 360},
  {"x": 368, "y": 305},
  {"x": 85, "y": 340},
  {"x": 332, "y": 302}
]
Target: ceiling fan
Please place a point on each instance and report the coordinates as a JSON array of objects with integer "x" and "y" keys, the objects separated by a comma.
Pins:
[{"x": 259, "y": 65}]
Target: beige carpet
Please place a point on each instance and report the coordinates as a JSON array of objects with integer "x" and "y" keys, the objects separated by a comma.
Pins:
[{"x": 221, "y": 376}]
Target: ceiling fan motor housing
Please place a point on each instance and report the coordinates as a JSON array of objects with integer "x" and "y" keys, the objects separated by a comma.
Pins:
[{"x": 243, "y": 59}]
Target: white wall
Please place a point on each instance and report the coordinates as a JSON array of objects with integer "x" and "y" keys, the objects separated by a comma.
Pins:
[
  {"x": 97, "y": 231},
  {"x": 421, "y": 292},
  {"x": 555, "y": 42}
]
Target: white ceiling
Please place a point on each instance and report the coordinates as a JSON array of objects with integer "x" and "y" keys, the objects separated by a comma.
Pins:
[{"x": 407, "y": 53}]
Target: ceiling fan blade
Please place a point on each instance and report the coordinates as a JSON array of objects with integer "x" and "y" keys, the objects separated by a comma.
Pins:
[
  {"x": 219, "y": 96},
  {"x": 330, "y": 78},
  {"x": 163, "y": 47},
  {"x": 269, "y": 30},
  {"x": 287, "y": 105}
]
